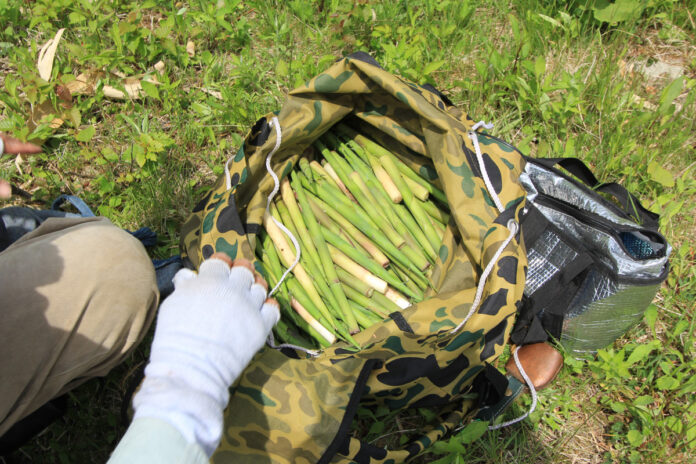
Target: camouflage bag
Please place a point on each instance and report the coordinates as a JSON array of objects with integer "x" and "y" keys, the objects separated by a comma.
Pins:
[{"x": 289, "y": 407}]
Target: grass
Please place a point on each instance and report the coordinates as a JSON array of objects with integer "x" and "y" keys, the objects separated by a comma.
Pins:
[{"x": 553, "y": 78}]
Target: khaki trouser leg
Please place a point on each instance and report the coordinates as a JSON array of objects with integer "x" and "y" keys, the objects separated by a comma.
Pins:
[{"x": 75, "y": 296}]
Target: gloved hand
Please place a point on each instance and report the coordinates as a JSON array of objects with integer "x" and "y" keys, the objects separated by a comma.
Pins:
[{"x": 207, "y": 331}]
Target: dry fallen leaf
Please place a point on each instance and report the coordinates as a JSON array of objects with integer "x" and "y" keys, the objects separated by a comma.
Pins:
[
  {"x": 39, "y": 112},
  {"x": 132, "y": 87},
  {"x": 644, "y": 103},
  {"x": 47, "y": 54},
  {"x": 213, "y": 93},
  {"x": 18, "y": 162},
  {"x": 191, "y": 49}
]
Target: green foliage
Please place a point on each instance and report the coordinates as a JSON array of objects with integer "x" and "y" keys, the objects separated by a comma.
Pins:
[
  {"x": 618, "y": 11},
  {"x": 553, "y": 77}
]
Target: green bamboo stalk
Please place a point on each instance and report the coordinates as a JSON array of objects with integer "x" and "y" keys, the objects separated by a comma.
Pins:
[
  {"x": 418, "y": 259},
  {"x": 410, "y": 283},
  {"x": 316, "y": 272},
  {"x": 376, "y": 170},
  {"x": 384, "y": 302},
  {"x": 367, "y": 263},
  {"x": 379, "y": 150},
  {"x": 379, "y": 194},
  {"x": 382, "y": 310},
  {"x": 301, "y": 301},
  {"x": 350, "y": 213},
  {"x": 282, "y": 330},
  {"x": 365, "y": 243},
  {"x": 306, "y": 169},
  {"x": 303, "y": 235},
  {"x": 411, "y": 202},
  {"x": 416, "y": 231},
  {"x": 324, "y": 220},
  {"x": 303, "y": 305},
  {"x": 321, "y": 171},
  {"x": 358, "y": 285},
  {"x": 287, "y": 255},
  {"x": 439, "y": 227},
  {"x": 417, "y": 189},
  {"x": 402, "y": 220},
  {"x": 275, "y": 271},
  {"x": 357, "y": 270},
  {"x": 327, "y": 264},
  {"x": 435, "y": 212},
  {"x": 411, "y": 249},
  {"x": 344, "y": 170},
  {"x": 365, "y": 318},
  {"x": 420, "y": 279},
  {"x": 373, "y": 214}
]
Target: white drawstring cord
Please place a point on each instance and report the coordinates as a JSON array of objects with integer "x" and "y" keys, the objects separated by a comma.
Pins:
[
  {"x": 532, "y": 390},
  {"x": 512, "y": 226},
  {"x": 279, "y": 138},
  {"x": 276, "y": 187},
  {"x": 482, "y": 166},
  {"x": 271, "y": 342}
]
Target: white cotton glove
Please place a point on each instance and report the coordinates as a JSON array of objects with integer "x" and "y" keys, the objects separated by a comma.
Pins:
[{"x": 207, "y": 331}]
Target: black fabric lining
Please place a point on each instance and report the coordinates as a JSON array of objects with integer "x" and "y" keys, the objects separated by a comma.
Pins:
[{"x": 339, "y": 440}]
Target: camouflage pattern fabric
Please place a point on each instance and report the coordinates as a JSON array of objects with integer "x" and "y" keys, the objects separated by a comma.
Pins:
[{"x": 289, "y": 408}]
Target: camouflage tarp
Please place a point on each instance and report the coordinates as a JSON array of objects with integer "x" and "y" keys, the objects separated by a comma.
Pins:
[{"x": 288, "y": 408}]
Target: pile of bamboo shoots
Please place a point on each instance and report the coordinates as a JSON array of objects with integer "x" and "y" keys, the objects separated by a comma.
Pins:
[{"x": 369, "y": 229}]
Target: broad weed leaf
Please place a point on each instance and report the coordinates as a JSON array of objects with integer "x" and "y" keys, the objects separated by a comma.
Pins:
[
  {"x": 617, "y": 12},
  {"x": 660, "y": 174}
]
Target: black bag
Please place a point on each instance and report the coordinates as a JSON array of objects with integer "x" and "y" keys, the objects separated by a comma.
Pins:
[{"x": 594, "y": 264}]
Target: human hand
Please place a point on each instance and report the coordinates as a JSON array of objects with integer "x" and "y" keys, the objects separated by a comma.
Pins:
[
  {"x": 12, "y": 146},
  {"x": 207, "y": 331}
]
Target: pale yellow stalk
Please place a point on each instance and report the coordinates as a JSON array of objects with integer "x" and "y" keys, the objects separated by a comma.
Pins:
[
  {"x": 397, "y": 298},
  {"x": 337, "y": 180},
  {"x": 418, "y": 190},
  {"x": 357, "y": 270},
  {"x": 287, "y": 256},
  {"x": 388, "y": 184},
  {"x": 304, "y": 314},
  {"x": 319, "y": 169}
]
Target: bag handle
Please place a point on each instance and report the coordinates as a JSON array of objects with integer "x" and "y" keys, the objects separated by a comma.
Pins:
[
  {"x": 630, "y": 205},
  {"x": 77, "y": 202}
]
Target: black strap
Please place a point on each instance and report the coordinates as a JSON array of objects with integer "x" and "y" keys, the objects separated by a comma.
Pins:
[
  {"x": 490, "y": 386},
  {"x": 555, "y": 296},
  {"x": 629, "y": 203},
  {"x": 532, "y": 224}
]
